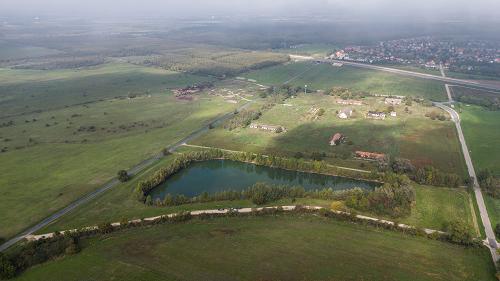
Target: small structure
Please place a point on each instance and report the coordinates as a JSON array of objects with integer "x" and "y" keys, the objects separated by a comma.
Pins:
[
  {"x": 349, "y": 102},
  {"x": 270, "y": 128},
  {"x": 337, "y": 139},
  {"x": 369, "y": 155},
  {"x": 337, "y": 64},
  {"x": 394, "y": 114},
  {"x": 345, "y": 113},
  {"x": 393, "y": 101},
  {"x": 375, "y": 115}
]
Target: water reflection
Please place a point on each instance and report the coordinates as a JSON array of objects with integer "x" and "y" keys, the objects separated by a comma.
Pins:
[{"x": 219, "y": 175}]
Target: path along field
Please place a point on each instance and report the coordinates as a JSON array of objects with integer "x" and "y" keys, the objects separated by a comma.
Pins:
[
  {"x": 325, "y": 76},
  {"x": 409, "y": 135},
  {"x": 294, "y": 248},
  {"x": 54, "y": 156}
]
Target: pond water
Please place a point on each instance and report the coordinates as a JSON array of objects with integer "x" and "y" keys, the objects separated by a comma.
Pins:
[{"x": 220, "y": 175}]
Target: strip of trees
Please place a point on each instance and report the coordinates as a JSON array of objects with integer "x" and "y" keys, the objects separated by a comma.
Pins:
[{"x": 259, "y": 194}]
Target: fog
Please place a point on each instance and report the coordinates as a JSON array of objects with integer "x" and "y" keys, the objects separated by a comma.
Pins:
[{"x": 427, "y": 10}]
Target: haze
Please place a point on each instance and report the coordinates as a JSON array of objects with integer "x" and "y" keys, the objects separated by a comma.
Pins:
[{"x": 457, "y": 10}]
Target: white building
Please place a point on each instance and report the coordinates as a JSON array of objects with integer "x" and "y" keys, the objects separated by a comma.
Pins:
[{"x": 345, "y": 113}]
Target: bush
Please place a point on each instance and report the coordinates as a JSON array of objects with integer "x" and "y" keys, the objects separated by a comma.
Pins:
[
  {"x": 460, "y": 233},
  {"x": 123, "y": 176}
]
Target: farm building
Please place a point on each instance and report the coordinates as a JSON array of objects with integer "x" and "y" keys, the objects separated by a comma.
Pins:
[
  {"x": 394, "y": 114},
  {"x": 375, "y": 115},
  {"x": 349, "y": 102},
  {"x": 369, "y": 155},
  {"x": 337, "y": 139},
  {"x": 270, "y": 128},
  {"x": 345, "y": 113},
  {"x": 393, "y": 101}
]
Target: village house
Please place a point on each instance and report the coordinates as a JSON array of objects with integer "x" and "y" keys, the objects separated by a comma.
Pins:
[
  {"x": 375, "y": 115},
  {"x": 349, "y": 102},
  {"x": 345, "y": 113},
  {"x": 369, "y": 155},
  {"x": 270, "y": 128},
  {"x": 394, "y": 114},
  {"x": 393, "y": 101},
  {"x": 337, "y": 139}
]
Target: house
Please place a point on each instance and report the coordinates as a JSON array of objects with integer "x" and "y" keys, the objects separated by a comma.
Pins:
[
  {"x": 345, "y": 113},
  {"x": 394, "y": 114},
  {"x": 393, "y": 101},
  {"x": 337, "y": 139},
  {"x": 349, "y": 102},
  {"x": 369, "y": 155},
  {"x": 270, "y": 128},
  {"x": 375, "y": 115}
]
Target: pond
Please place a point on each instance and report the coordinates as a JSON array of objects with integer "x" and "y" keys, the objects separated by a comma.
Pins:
[{"x": 220, "y": 175}]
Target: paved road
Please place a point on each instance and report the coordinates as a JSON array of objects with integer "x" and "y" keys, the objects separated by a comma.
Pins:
[
  {"x": 476, "y": 84},
  {"x": 490, "y": 235},
  {"x": 133, "y": 171}
]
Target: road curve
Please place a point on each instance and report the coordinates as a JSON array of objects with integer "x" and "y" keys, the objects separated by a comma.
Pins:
[
  {"x": 112, "y": 183},
  {"x": 490, "y": 235}
]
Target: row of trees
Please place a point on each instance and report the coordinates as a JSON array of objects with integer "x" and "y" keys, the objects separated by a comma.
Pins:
[
  {"x": 427, "y": 175},
  {"x": 394, "y": 198},
  {"x": 260, "y": 193},
  {"x": 37, "y": 252},
  {"x": 242, "y": 119},
  {"x": 489, "y": 182}
]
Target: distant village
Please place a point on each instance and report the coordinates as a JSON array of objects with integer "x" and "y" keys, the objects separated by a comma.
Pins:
[{"x": 427, "y": 52}]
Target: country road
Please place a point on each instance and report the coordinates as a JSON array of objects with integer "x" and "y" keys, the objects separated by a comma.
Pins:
[
  {"x": 488, "y": 229},
  {"x": 112, "y": 183}
]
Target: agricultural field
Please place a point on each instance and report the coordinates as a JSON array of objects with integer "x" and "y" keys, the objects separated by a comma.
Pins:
[
  {"x": 409, "y": 135},
  {"x": 326, "y": 76},
  {"x": 296, "y": 247},
  {"x": 482, "y": 132},
  {"x": 89, "y": 126}
]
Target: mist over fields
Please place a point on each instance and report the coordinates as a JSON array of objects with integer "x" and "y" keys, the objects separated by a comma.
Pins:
[{"x": 426, "y": 10}]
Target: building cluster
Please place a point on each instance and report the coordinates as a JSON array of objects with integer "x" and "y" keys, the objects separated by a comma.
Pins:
[{"x": 426, "y": 52}]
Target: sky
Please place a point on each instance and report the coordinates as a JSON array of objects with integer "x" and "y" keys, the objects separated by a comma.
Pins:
[{"x": 357, "y": 9}]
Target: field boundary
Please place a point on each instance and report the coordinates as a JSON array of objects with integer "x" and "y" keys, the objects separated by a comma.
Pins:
[{"x": 228, "y": 211}]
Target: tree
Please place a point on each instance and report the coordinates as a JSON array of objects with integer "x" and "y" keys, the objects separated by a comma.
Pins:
[
  {"x": 7, "y": 269},
  {"x": 497, "y": 230},
  {"x": 165, "y": 152},
  {"x": 321, "y": 112},
  {"x": 123, "y": 176}
]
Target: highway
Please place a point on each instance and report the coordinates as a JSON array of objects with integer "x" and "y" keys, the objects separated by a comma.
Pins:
[
  {"x": 132, "y": 171},
  {"x": 461, "y": 82}
]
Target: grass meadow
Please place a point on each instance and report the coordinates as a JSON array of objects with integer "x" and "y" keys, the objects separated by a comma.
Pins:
[
  {"x": 409, "y": 135},
  {"x": 300, "y": 247},
  {"x": 72, "y": 149},
  {"x": 325, "y": 76}
]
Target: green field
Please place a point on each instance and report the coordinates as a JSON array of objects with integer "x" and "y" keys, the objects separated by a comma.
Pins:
[
  {"x": 412, "y": 136},
  {"x": 482, "y": 133},
  {"x": 325, "y": 76},
  {"x": 294, "y": 248},
  {"x": 72, "y": 149}
]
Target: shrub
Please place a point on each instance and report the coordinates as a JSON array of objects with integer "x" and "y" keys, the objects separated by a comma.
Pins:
[
  {"x": 7, "y": 269},
  {"x": 123, "y": 176},
  {"x": 460, "y": 233},
  {"x": 338, "y": 206}
]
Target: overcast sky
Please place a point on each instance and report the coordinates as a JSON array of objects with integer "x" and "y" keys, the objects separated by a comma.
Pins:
[{"x": 359, "y": 9}]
